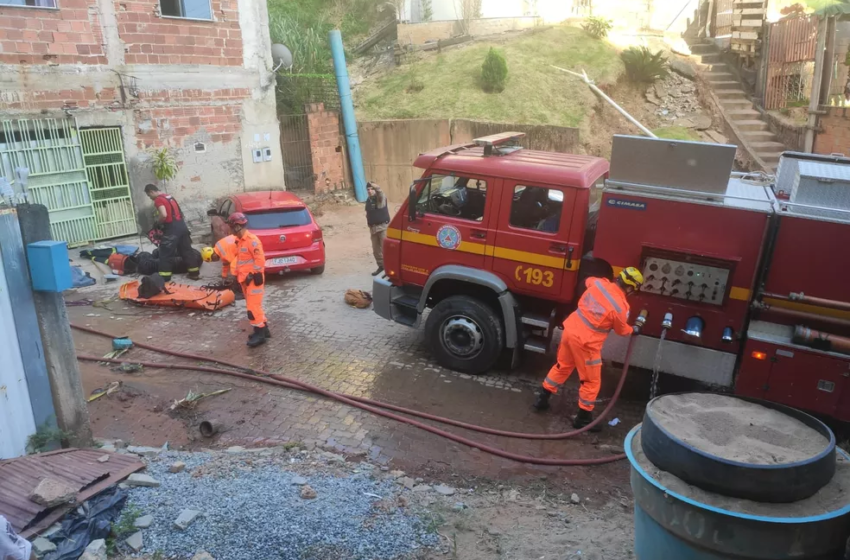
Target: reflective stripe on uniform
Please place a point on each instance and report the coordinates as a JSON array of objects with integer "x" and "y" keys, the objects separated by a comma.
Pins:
[
  {"x": 593, "y": 362},
  {"x": 586, "y": 403},
  {"x": 608, "y": 296},
  {"x": 249, "y": 261},
  {"x": 588, "y": 323},
  {"x": 552, "y": 383}
]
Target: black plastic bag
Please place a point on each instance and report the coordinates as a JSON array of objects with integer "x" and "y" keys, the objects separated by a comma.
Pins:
[
  {"x": 151, "y": 286},
  {"x": 91, "y": 521}
]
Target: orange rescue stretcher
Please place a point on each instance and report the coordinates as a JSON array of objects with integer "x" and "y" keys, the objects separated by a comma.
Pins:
[{"x": 180, "y": 295}]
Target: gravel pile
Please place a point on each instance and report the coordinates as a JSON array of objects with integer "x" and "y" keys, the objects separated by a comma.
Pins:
[{"x": 253, "y": 511}]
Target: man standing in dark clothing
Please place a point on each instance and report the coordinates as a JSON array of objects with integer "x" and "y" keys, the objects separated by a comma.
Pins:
[
  {"x": 175, "y": 235},
  {"x": 378, "y": 219}
]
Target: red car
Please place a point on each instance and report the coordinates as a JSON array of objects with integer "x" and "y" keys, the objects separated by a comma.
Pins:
[{"x": 292, "y": 240}]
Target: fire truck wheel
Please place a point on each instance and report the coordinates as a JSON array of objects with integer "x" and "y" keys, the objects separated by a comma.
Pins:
[{"x": 465, "y": 334}]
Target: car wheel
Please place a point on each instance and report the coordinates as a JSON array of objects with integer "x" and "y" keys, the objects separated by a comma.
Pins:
[
  {"x": 465, "y": 334},
  {"x": 318, "y": 269}
]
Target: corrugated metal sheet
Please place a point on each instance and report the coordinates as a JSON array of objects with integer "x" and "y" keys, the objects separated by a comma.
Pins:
[{"x": 76, "y": 467}]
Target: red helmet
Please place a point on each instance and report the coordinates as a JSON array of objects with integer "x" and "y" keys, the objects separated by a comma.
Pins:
[{"x": 237, "y": 219}]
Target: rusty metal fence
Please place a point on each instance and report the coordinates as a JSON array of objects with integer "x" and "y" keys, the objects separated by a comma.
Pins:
[{"x": 790, "y": 65}]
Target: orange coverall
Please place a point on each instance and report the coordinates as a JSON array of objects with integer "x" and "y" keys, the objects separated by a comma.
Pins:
[
  {"x": 603, "y": 307},
  {"x": 251, "y": 259},
  {"x": 226, "y": 251}
]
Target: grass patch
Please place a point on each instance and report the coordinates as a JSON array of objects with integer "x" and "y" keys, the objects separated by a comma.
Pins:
[
  {"x": 534, "y": 94},
  {"x": 46, "y": 438},
  {"x": 122, "y": 528},
  {"x": 677, "y": 133}
]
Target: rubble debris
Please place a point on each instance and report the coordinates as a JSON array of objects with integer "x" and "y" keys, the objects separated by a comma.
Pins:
[
  {"x": 575, "y": 499},
  {"x": 143, "y": 522},
  {"x": 177, "y": 467},
  {"x": 51, "y": 492},
  {"x": 144, "y": 451},
  {"x": 42, "y": 546},
  {"x": 684, "y": 69},
  {"x": 397, "y": 474},
  {"x": 307, "y": 493},
  {"x": 407, "y": 482},
  {"x": 298, "y": 480},
  {"x": 444, "y": 490},
  {"x": 142, "y": 480},
  {"x": 422, "y": 488},
  {"x": 186, "y": 518},
  {"x": 191, "y": 399},
  {"x": 135, "y": 541},
  {"x": 96, "y": 550},
  {"x": 103, "y": 459},
  {"x": 203, "y": 556}
]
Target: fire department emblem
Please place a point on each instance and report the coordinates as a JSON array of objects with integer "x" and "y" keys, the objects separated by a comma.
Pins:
[
  {"x": 282, "y": 238},
  {"x": 448, "y": 237}
]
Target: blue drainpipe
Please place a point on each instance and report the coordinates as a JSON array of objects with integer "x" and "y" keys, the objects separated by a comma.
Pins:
[{"x": 348, "y": 119}]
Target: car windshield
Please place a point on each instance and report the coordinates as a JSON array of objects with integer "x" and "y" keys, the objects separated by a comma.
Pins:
[{"x": 275, "y": 219}]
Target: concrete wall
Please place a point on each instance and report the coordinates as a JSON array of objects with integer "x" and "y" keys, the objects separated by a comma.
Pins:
[
  {"x": 203, "y": 89},
  {"x": 834, "y": 135},
  {"x": 552, "y": 11},
  {"x": 390, "y": 147},
  {"x": 421, "y": 33}
]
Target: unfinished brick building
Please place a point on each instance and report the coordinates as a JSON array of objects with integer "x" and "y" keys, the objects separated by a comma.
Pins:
[{"x": 90, "y": 89}]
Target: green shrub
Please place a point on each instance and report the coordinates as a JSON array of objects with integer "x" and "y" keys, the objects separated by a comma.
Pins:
[
  {"x": 494, "y": 71},
  {"x": 597, "y": 27},
  {"x": 644, "y": 66}
]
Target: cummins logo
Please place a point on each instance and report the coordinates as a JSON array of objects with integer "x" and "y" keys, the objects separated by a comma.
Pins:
[{"x": 627, "y": 204}]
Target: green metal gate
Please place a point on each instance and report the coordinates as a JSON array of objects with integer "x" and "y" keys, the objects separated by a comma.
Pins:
[
  {"x": 50, "y": 151},
  {"x": 109, "y": 184}
]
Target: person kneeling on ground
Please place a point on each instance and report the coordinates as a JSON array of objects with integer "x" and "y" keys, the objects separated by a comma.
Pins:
[
  {"x": 602, "y": 308},
  {"x": 378, "y": 220},
  {"x": 176, "y": 240},
  {"x": 250, "y": 269}
]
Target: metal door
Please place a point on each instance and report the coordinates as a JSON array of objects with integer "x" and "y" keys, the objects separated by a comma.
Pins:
[
  {"x": 806, "y": 380},
  {"x": 109, "y": 184},
  {"x": 532, "y": 251},
  {"x": 49, "y": 150}
]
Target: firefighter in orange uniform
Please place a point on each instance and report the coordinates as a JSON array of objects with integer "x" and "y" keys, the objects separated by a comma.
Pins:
[
  {"x": 225, "y": 251},
  {"x": 250, "y": 268},
  {"x": 602, "y": 308}
]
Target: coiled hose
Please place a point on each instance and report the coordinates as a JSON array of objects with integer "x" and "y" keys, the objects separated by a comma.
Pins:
[{"x": 381, "y": 408}]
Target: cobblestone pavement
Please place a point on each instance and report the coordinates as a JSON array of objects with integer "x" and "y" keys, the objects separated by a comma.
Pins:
[{"x": 319, "y": 339}]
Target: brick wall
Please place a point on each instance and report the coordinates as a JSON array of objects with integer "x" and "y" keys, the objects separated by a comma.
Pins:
[
  {"x": 152, "y": 39},
  {"x": 323, "y": 126},
  {"x": 43, "y": 36},
  {"x": 170, "y": 117},
  {"x": 834, "y": 135}
]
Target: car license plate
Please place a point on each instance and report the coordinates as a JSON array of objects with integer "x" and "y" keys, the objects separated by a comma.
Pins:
[{"x": 282, "y": 261}]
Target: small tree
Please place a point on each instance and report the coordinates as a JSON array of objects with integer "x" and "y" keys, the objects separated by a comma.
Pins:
[
  {"x": 642, "y": 65},
  {"x": 494, "y": 71},
  {"x": 163, "y": 164},
  {"x": 427, "y": 10}
]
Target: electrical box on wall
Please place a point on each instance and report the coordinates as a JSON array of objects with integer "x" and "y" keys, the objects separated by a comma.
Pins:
[
  {"x": 687, "y": 277},
  {"x": 267, "y": 154},
  {"x": 258, "y": 156},
  {"x": 50, "y": 270}
]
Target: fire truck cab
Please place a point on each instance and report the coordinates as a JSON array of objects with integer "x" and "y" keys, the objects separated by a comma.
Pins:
[{"x": 491, "y": 241}]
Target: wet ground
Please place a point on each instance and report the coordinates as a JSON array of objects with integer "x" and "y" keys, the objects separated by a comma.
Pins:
[{"x": 319, "y": 339}]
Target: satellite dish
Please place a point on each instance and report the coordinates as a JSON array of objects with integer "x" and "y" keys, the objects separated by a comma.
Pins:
[{"x": 282, "y": 56}]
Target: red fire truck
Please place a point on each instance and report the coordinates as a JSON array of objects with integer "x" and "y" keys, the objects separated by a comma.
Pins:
[{"x": 747, "y": 278}]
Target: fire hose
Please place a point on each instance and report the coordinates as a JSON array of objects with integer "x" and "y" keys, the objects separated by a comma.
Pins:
[{"x": 377, "y": 407}]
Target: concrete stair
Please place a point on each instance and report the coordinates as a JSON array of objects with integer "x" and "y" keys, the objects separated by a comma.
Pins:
[{"x": 747, "y": 123}]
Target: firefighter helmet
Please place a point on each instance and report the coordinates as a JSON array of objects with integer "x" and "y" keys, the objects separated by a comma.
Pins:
[
  {"x": 632, "y": 277},
  {"x": 237, "y": 218},
  {"x": 207, "y": 254}
]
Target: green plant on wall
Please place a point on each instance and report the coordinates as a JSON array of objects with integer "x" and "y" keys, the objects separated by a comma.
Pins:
[
  {"x": 494, "y": 71},
  {"x": 427, "y": 10},
  {"x": 164, "y": 165}
]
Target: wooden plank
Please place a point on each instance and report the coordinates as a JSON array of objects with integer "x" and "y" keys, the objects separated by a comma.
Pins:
[
  {"x": 747, "y": 23},
  {"x": 744, "y": 35},
  {"x": 749, "y": 11}
]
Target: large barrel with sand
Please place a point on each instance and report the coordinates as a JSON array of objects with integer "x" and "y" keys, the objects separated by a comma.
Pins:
[
  {"x": 740, "y": 447},
  {"x": 675, "y": 520}
]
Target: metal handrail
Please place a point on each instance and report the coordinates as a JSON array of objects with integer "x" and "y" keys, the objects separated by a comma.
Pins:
[{"x": 692, "y": 193}]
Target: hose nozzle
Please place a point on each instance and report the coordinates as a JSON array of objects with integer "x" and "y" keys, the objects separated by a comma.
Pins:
[
  {"x": 640, "y": 320},
  {"x": 668, "y": 321}
]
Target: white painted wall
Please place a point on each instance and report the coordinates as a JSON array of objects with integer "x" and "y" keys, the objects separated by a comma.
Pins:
[
  {"x": 16, "y": 418},
  {"x": 552, "y": 11}
]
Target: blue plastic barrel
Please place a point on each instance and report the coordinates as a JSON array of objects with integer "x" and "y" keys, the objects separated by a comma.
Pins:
[{"x": 670, "y": 526}]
